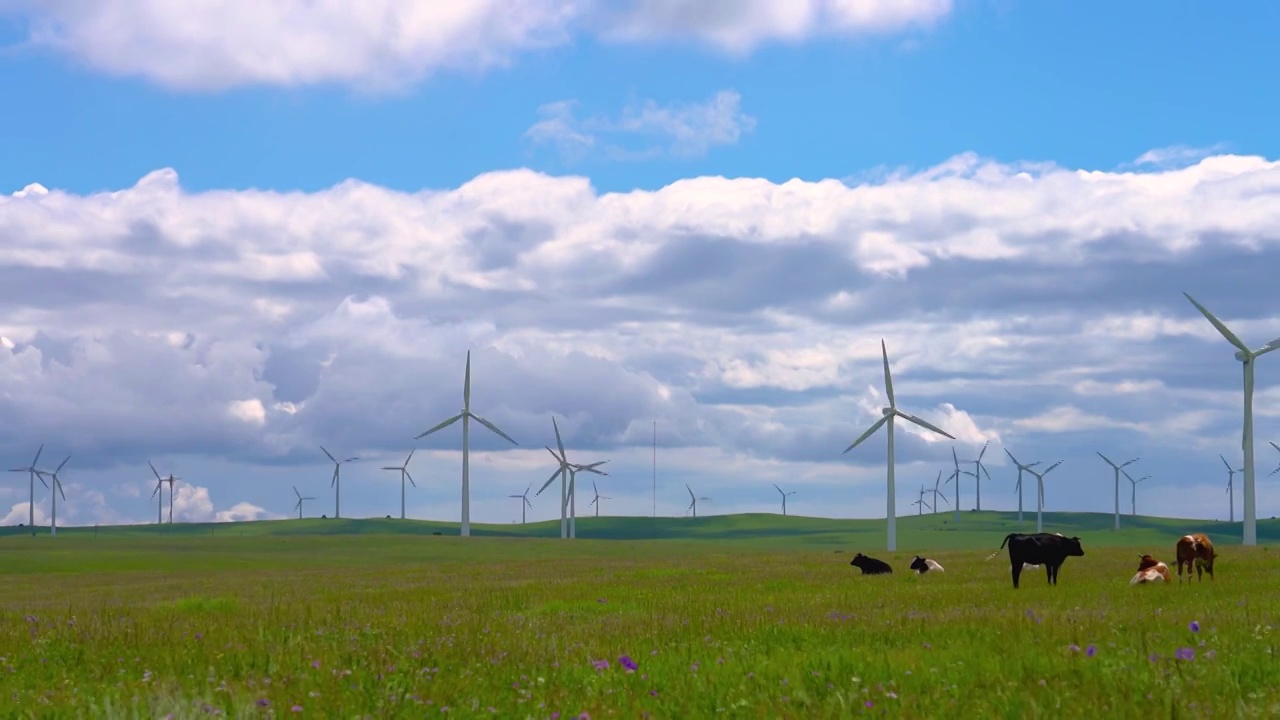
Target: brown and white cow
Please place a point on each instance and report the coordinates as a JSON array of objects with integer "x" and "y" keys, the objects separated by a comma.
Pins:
[
  {"x": 1151, "y": 570},
  {"x": 1196, "y": 549}
]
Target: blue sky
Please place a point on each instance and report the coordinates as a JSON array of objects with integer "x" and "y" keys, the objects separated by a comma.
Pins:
[{"x": 246, "y": 244}]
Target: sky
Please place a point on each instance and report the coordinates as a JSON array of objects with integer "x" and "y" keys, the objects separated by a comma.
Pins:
[{"x": 232, "y": 232}]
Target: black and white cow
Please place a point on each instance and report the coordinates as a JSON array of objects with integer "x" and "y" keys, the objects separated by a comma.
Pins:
[
  {"x": 924, "y": 565},
  {"x": 869, "y": 565},
  {"x": 1048, "y": 549}
]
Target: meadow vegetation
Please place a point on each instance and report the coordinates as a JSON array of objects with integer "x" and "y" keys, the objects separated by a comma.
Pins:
[{"x": 387, "y": 625}]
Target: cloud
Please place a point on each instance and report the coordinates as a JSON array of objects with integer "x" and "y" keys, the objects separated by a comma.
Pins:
[
  {"x": 224, "y": 335},
  {"x": 383, "y": 45},
  {"x": 192, "y": 503},
  {"x": 1176, "y": 156},
  {"x": 682, "y": 130}
]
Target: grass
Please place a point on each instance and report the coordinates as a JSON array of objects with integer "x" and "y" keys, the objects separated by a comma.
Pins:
[{"x": 399, "y": 625}]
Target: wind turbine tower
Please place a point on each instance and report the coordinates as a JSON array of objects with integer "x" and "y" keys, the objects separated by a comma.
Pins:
[
  {"x": 158, "y": 491},
  {"x": 1018, "y": 487},
  {"x": 920, "y": 502},
  {"x": 524, "y": 506},
  {"x": 955, "y": 475},
  {"x": 1231, "y": 492},
  {"x": 598, "y": 497},
  {"x": 301, "y": 497},
  {"x": 1133, "y": 497},
  {"x": 784, "y": 498},
  {"x": 1117, "y": 469},
  {"x": 1039, "y": 476},
  {"x": 404, "y": 474},
  {"x": 978, "y": 467},
  {"x": 574, "y": 469},
  {"x": 32, "y": 473},
  {"x": 465, "y": 415},
  {"x": 55, "y": 490},
  {"x": 1247, "y": 358},
  {"x": 336, "y": 482},
  {"x": 887, "y": 416}
]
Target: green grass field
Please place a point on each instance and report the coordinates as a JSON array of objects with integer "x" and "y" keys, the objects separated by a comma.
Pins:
[{"x": 740, "y": 616}]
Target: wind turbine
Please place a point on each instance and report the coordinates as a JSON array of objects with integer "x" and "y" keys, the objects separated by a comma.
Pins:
[
  {"x": 159, "y": 486},
  {"x": 784, "y": 497},
  {"x": 955, "y": 475},
  {"x": 1018, "y": 487},
  {"x": 404, "y": 473},
  {"x": 936, "y": 493},
  {"x": 55, "y": 491},
  {"x": 524, "y": 506},
  {"x": 598, "y": 497},
  {"x": 1039, "y": 476},
  {"x": 1246, "y": 358},
  {"x": 336, "y": 482},
  {"x": 1117, "y": 469},
  {"x": 33, "y": 473},
  {"x": 574, "y": 469},
  {"x": 693, "y": 501},
  {"x": 920, "y": 503},
  {"x": 1273, "y": 472},
  {"x": 887, "y": 416},
  {"x": 561, "y": 472},
  {"x": 978, "y": 467},
  {"x": 1231, "y": 476},
  {"x": 1133, "y": 498},
  {"x": 298, "y": 506},
  {"x": 466, "y": 416}
]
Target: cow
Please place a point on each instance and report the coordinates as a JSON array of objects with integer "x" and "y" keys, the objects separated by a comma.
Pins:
[
  {"x": 924, "y": 565},
  {"x": 1196, "y": 549},
  {"x": 1048, "y": 549},
  {"x": 1151, "y": 570},
  {"x": 870, "y": 566}
]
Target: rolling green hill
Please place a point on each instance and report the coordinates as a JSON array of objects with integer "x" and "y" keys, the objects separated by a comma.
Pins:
[{"x": 975, "y": 530}]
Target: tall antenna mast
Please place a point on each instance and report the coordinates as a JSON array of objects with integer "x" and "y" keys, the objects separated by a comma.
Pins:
[{"x": 655, "y": 468}]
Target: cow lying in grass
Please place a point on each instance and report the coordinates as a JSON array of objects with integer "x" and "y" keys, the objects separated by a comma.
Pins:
[
  {"x": 1151, "y": 570},
  {"x": 924, "y": 565},
  {"x": 869, "y": 565}
]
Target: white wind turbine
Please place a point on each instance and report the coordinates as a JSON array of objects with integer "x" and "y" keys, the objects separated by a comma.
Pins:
[
  {"x": 598, "y": 497},
  {"x": 574, "y": 469},
  {"x": 784, "y": 497},
  {"x": 336, "y": 482},
  {"x": 920, "y": 502},
  {"x": 404, "y": 474},
  {"x": 524, "y": 506},
  {"x": 1246, "y": 358},
  {"x": 33, "y": 473},
  {"x": 301, "y": 497},
  {"x": 55, "y": 489},
  {"x": 1039, "y": 476},
  {"x": 887, "y": 416},
  {"x": 978, "y": 467},
  {"x": 1018, "y": 487},
  {"x": 1133, "y": 497},
  {"x": 465, "y": 416},
  {"x": 1117, "y": 469},
  {"x": 955, "y": 475},
  {"x": 1231, "y": 494},
  {"x": 693, "y": 501},
  {"x": 937, "y": 493},
  {"x": 562, "y": 472}
]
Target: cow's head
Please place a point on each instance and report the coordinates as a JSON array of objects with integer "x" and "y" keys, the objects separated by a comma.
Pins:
[
  {"x": 858, "y": 560},
  {"x": 918, "y": 564},
  {"x": 1072, "y": 546},
  {"x": 1146, "y": 562}
]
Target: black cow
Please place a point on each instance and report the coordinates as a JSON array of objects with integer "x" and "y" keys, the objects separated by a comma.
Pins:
[
  {"x": 1048, "y": 549},
  {"x": 870, "y": 566}
]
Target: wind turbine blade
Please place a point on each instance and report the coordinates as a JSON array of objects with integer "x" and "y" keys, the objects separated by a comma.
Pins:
[
  {"x": 40, "y": 476},
  {"x": 559, "y": 442},
  {"x": 595, "y": 489},
  {"x": 888, "y": 379},
  {"x": 64, "y": 462},
  {"x": 441, "y": 426},
  {"x": 153, "y": 492},
  {"x": 984, "y": 450},
  {"x": 58, "y": 483},
  {"x": 553, "y": 454},
  {"x": 527, "y": 503},
  {"x": 327, "y": 454},
  {"x": 986, "y": 472},
  {"x": 1273, "y": 345},
  {"x": 1230, "y": 336},
  {"x": 1277, "y": 447},
  {"x": 295, "y": 492},
  {"x": 41, "y": 449},
  {"x": 334, "y": 481},
  {"x": 1050, "y": 468},
  {"x": 550, "y": 480},
  {"x": 686, "y": 487},
  {"x": 392, "y": 468},
  {"x": 411, "y": 452},
  {"x": 1011, "y": 457},
  {"x": 466, "y": 384},
  {"x": 411, "y": 482},
  {"x": 1104, "y": 457},
  {"x": 869, "y": 432},
  {"x": 775, "y": 487},
  {"x": 350, "y": 459},
  {"x": 153, "y": 469},
  {"x": 1224, "y": 462},
  {"x": 493, "y": 427},
  {"x": 944, "y": 497}
]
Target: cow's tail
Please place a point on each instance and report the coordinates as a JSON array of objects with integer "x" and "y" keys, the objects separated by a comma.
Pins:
[{"x": 1006, "y": 540}]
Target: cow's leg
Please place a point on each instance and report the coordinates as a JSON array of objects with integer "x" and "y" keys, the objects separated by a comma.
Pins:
[
  {"x": 1016, "y": 566},
  {"x": 1048, "y": 572}
]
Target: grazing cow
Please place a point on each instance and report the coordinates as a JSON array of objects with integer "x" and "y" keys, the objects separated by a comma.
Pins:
[
  {"x": 1151, "y": 570},
  {"x": 1196, "y": 549},
  {"x": 924, "y": 565},
  {"x": 1048, "y": 549},
  {"x": 870, "y": 566}
]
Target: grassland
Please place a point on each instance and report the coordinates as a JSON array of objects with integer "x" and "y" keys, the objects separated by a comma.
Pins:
[{"x": 135, "y": 623}]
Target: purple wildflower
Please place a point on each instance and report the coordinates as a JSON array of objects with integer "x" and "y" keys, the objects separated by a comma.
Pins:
[
  {"x": 627, "y": 663},
  {"x": 315, "y": 664},
  {"x": 868, "y": 704},
  {"x": 1185, "y": 653},
  {"x": 1194, "y": 626},
  {"x": 1091, "y": 651},
  {"x": 653, "y": 693},
  {"x": 601, "y": 664},
  {"x": 1073, "y": 647},
  {"x": 263, "y": 702},
  {"x": 296, "y": 708},
  {"x": 584, "y": 716}
]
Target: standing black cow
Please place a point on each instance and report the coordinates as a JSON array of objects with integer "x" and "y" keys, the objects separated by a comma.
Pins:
[
  {"x": 1048, "y": 549},
  {"x": 870, "y": 566}
]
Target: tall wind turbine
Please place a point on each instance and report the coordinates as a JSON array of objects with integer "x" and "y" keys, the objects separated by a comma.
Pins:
[
  {"x": 301, "y": 497},
  {"x": 1247, "y": 358},
  {"x": 524, "y": 506},
  {"x": 920, "y": 502},
  {"x": 1231, "y": 494},
  {"x": 336, "y": 482},
  {"x": 1117, "y": 469},
  {"x": 404, "y": 473},
  {"x": 955, "y": 475},
  {"x": 31, "y": 502},
  {"x": 466, "y": 416},
  {"x": 171, "y": 480},
  {"x": 158, "y": 491},
  {"x": 978, "y": 467},
  {"x": 936, "y": 493},
  {"x": 693, "y": 501},
  {"x": 1039, "y": 476},
  {"x": 887, "y": 416},
  {"x": 562, "y": 472},
  {"x": 784, "y": 497},
  {"x": 1018, "y": 487},
  {"x": 598, "y": 497},
  {"x": 1133, "y": 497},
  {"x": 55, "y": 489},
  {"x": 574, "y": 469}
]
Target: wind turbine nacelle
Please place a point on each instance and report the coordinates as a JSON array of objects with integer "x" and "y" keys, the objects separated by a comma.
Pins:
[
  {"x": 1242, "y": 356},
  {"x": 886, "y": 411}
]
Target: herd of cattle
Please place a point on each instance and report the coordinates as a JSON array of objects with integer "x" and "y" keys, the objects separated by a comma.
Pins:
[{"x": 1028, "y": 551}]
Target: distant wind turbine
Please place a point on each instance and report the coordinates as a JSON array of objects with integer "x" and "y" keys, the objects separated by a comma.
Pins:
[
  {"x": 1018, "y": 487},
  {"x": 598, "y": 497},
  {"x": 55, "y": 487},
  {"x": 404, "y": 474},
  {"x": 301, "y": 497},
  {"x": 1247, "y": 358},
  {"x": 1273, "y": 472},
  {"x": 1231, "y": 494},
  {"x": 887, "y": 416},
  {"x": 33, "y": 473},
  {"x": 937, "y": 493},
  {"x": 336, "y": 482},
  {"x": 562, "y": 472},
  {"x": 920, "y": 502},
  {"x": 160, "y": 481},
  {"x": 784, "y": 497},
  {"x": 955, "y": 475},
  {"x": 1117, "y": 469},
  {"x": 1039, "y": 476},
  {"x": 574, "y": 469},
  {"x": 1133, "y": 497},
  {"x": 693, "y": 501},
  {"x": 466, "y": 416},
  {"x": 978, "y": 467},
  {"x": 524, "y": 506}
]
